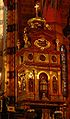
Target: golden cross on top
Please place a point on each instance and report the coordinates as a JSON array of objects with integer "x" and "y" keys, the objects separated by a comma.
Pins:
[{"x": 37, "y": 7}]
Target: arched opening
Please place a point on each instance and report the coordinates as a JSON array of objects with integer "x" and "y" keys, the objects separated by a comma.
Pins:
[
  {"x": 55, "y": 84},
  {"x": 43, "y": 85},
  {"x": 31, "y": 83}
]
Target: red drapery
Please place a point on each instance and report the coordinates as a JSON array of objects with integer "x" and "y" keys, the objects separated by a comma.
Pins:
[
  {"x": 52, "y": 11},
  {"x": 7, "y": 2}
]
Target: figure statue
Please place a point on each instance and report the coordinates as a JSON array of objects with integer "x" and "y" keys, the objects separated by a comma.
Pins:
[{"x": 26, "y": 39}]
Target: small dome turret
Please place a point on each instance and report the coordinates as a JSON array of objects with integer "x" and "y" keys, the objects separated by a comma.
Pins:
[{"x": 36, "y": 22}]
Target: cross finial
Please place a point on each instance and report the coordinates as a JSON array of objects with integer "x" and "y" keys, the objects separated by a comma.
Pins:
[{"x": 37, "y": 7}]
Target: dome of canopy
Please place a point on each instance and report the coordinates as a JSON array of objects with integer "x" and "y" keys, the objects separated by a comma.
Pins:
[{"x": 36, "y": 22}]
